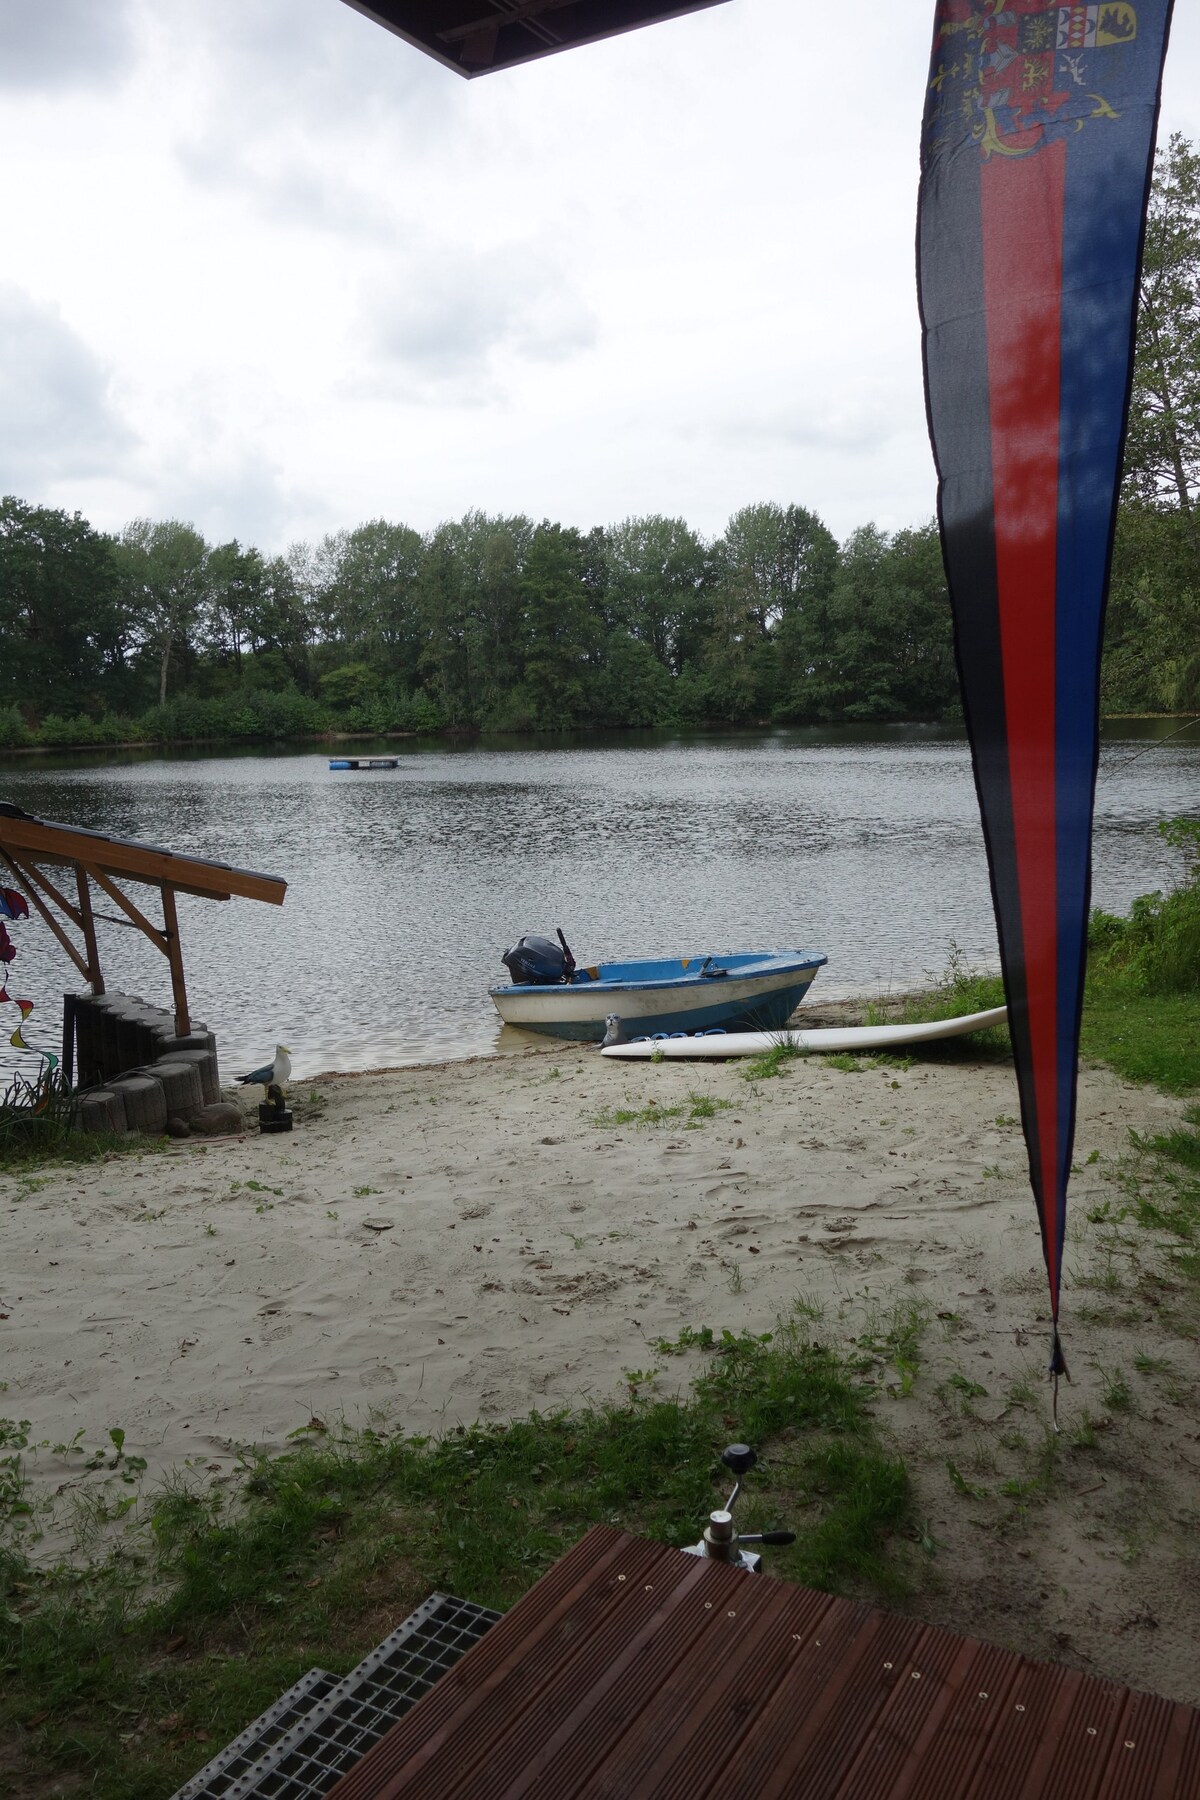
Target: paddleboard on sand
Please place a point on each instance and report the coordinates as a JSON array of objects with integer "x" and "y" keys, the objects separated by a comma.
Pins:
[{"x": 847, "y": 1037}]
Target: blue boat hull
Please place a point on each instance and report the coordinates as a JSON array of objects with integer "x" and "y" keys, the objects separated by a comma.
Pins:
[{"x": 753, "y": 990}]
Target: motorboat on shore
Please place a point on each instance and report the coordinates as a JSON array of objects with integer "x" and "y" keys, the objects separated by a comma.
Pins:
[{"x": 755, "y": 990}]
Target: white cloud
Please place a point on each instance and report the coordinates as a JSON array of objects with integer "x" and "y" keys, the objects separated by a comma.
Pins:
[
  {"x": 64, "y": 44},
  {"x": 292, "y": 275},
  {"x": 451, "y": 315},
  {"x": 60, "y": 422}
]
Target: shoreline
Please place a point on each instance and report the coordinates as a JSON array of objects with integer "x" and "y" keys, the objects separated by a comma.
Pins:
[
  {"x": 161, "y": 746},
  {"x": 482, "y": 1238}
]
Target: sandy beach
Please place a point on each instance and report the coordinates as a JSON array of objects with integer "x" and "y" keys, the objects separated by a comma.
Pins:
[{"x": 482, "y": 1238}]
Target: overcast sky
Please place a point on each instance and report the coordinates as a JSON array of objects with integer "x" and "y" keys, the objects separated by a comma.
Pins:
[{"x": 268, "y": 269}]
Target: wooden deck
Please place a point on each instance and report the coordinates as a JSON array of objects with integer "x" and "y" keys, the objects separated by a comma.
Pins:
[{"x": 633, "y": 1671}]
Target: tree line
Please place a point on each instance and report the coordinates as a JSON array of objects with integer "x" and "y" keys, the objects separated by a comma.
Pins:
[
  {"x": 487, "y": 623},
  {"x": 498, "y": 623}
]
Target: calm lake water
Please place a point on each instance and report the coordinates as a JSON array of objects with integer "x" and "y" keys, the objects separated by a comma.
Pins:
[{"x": 405, "y": 886}]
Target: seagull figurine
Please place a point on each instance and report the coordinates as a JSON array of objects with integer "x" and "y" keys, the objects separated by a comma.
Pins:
[{"x": 272, "y": 1074}]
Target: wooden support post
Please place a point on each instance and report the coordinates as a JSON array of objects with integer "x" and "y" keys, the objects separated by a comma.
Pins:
[
  {"x": 89, "y": 930},
  {"x": 183, "y": 1023},
  {"x": 68, "y": 1043}
]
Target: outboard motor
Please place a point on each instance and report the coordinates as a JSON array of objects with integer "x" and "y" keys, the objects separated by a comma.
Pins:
[{"x": 538, "y": 962}]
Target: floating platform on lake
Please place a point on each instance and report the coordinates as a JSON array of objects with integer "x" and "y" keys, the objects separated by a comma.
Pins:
[{"x": 364, "y": 762}]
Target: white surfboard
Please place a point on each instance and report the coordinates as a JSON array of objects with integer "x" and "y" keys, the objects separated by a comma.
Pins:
[{"x": 822, "y": 1039}]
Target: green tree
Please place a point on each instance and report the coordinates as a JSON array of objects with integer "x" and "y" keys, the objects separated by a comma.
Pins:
[
  {"x": 164, "y": 571},
  {"x": 235, "y": 580},
  {"x": 473, "y": 623},
  {"x": 656, "y": 569},
  {"x": 772, "y": 577},
  {"x": 889, "y": 649},
  {"x": 368, "y": 600},
  {"x": 1152, "y": 632},
  {"x": 61, "y": 627},
  {"x": 559, "y": 599},
  {"x": 1162, "y": 451},
  {"x": 279, "y": 624}
]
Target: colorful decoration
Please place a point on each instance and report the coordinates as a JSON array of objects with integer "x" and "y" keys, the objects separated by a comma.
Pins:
[
  {"x": 1035, "y": 164},
  {"x": 13, "y": 905}
]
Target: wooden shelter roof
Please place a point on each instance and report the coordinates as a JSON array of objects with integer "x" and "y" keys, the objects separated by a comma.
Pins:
[
  {"x": 631, "y": 1669},
  {"x": 474, "y": 37},
  {"x": 28, "y": 846}
]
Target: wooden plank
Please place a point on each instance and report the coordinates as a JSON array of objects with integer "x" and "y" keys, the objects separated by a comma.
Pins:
[{"x": 44, "y": 841}]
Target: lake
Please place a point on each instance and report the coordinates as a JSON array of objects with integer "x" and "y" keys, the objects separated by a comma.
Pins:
[{"x": 404, "y": 886}]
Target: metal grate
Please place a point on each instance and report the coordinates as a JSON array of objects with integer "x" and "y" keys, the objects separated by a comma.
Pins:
[
  {"x": 315, "y": 1732},
  {"x": 217, "y": 1778}
]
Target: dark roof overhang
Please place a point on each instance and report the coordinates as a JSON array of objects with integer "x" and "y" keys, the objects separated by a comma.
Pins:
[{"x": 474, "y": 37}]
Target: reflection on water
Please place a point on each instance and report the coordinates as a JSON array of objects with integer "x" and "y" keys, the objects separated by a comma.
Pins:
[{"x": 404, "y": 886}]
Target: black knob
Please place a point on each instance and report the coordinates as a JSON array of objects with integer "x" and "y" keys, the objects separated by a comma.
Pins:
[
  {"x": 738, "y": 1458},
  {"x": 778, "y": 1537}
]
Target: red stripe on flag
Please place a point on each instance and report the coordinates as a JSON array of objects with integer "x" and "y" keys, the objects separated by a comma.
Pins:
[{"x": 1022, "y": 200}]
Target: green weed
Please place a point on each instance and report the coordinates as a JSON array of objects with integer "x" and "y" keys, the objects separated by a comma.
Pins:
[{"x": 772, "y": 1062}]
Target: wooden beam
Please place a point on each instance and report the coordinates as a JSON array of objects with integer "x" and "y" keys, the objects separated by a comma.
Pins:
[
  {"x": 60, "y": 900},
  {"x": 157, "y": 938},
  {"x": 31, "y": 883},
  {"x": 183, "y": 1023},
  {"x": 88, "y": 924},
  {"x": 139, "y": 862}
]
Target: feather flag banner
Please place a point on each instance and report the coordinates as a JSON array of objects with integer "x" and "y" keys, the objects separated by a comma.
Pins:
[{"x": 1036, "y": 155}]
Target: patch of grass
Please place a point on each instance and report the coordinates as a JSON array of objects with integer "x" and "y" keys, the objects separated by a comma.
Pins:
[
  {"x": 772, "y": 1062},
  {"x": 960, "y": 989},
  {"x": 1152, "y": 1041},
  {"x": 651, "y": 1114},
  {"x": 961, "y": 1485},
  {"x": 1180, "y": 1146},
  {"x": 124, "y": 1676},
  {"x": 895, "y": 1339},
  {"x": 1118, "y": 1395},
  {"x": 1157, "y": 948},
  {"x": 699, "y": 1108},
  {"x": 704, "y": 1106}
]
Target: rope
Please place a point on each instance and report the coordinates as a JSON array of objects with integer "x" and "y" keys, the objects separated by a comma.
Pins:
[
  {"x": 1188, "y": 723},
  {"x": 1058, "y": 1366}
]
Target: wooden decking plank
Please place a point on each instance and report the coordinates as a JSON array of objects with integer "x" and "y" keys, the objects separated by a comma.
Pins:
[
  {"x": 809, "y": 1657},
  {"x": 708, "y": 1624},
  {"x": 1076, "y": 1737},
  {"x": 948, "y": 1754},
  {"x": 631, "y": 1672},
  {"x": 835, "y": 1719},
  {"x": 1017, "y": 1732},
  {"x": 924, "y": 1693},
  {"x": 578, "y": 1587},
  {"x": 706, "y": 1705},
  {"x": 1149, "y": 1755}
]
